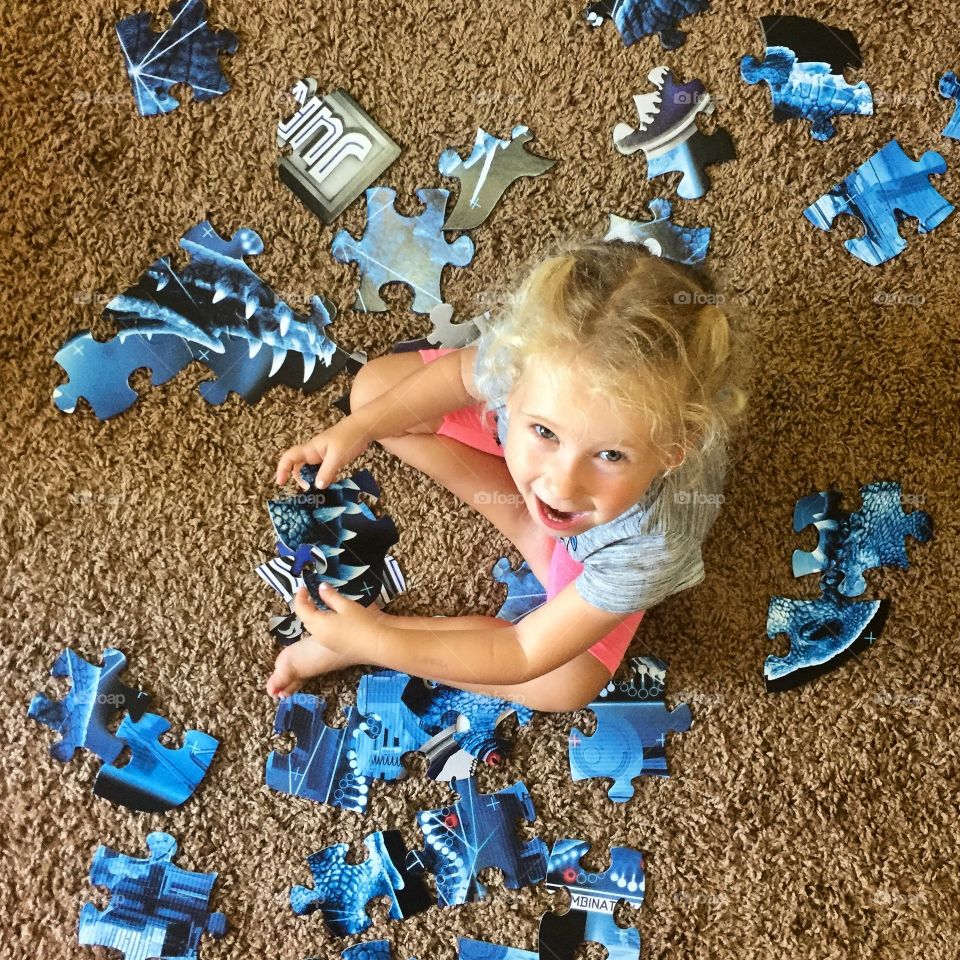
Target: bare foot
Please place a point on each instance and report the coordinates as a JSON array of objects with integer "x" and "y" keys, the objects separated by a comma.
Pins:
[{"x": 299, "y": 662}]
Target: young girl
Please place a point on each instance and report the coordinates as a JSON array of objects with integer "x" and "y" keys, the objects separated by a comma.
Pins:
[{"x": 613, "y": 383}]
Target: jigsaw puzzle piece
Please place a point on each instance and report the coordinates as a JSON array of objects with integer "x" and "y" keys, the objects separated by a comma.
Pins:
[
  {"x": 476, "y": 832},
  {"x": 444, "y": 333},
  {"x": 492, "y": 166},
  {"x": 949, "y": 87},
  {"x": 156, "y": 908},
  {"x": 632, "y": 724},
  {"x": 156, "y": 778},
  {"x": 468, "y": 949},
  {"x": 399, "y": 249},
  {"x": 823, "y": 634},
  {"x": 373, "y": 950},
  {"x": 187, "y": 52},
  {"x": 668, "y": 134},
  {"x": 81, "y": 716},
  {"x": 524, "y": 591},
  {"x": 593, "y": 898},
  {"x": 341, "y": 890},
  {"x": 640, "y": 18},
  {"x": 821, "y": 511},
  {"x": 661, "y": 236},
  {"x": 875, "y": 535},
  {"x": 883, "y": 192},
  {"x": 803, "y": 66}
]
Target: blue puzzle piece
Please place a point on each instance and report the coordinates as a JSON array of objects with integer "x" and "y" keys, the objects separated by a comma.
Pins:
[
  {"x": 640, "y": 18},
  {"x": 187, "y": 52},
  {"x": 372, "y": 950},
  {"x": 81, "y": 716},
  {"x": 883, "y": 192},
  {"x": 476, "y": 832},
  {"x": 524, "y": 591},
  {"x": 215, "y": 310},
  {"x": 803, "y": 66},
  {"x": 156, "y": 909},
  {"x": 632, "y": 726},
  {"x": 484, "y": 176},
  {"x": 661, "y": 236},
  {"x": 398, "y": 249},
  {"x": 341, "y": 890},
  {"x": 593, "y": 897},
  {"x": 156, "y": 778},
  {"x": 481, "y": 950},
  {"x": 949, "y": 87},
  {"x": 668, "y": 134}
]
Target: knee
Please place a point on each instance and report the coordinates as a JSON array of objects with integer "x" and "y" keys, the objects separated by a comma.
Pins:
[{"x": 369, "y": 382}]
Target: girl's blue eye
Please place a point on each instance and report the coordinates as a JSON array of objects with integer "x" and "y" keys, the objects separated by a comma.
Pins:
[
  {"x": 617, "y": 455},
  {"x": 537, "y": 427}
]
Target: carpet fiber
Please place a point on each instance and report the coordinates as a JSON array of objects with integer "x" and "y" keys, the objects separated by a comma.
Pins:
[{"x": 816, "y": 823}]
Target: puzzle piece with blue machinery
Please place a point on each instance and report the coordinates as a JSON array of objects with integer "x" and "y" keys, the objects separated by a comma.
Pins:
[{"x": 635, "y": 19}]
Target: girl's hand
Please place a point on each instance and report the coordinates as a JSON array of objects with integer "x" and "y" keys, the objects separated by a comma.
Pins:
[
  {"x": 333, "y": 449},
  {"x": 347, "y": 627}
]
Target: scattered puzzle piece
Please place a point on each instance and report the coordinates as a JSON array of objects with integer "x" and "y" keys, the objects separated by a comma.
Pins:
[
  {"x": 524, "y": 591},
  {"x": 668, "y": 134},
  {"x": 399, "y": 249},
  {"x": 156, "y": 908},
  {"x": 640, "y": 18},
  {"x": 187, "y": 52},
  {"x": 476, "y": 832},
  {"x": 444, "y": 332},
  {"x": 81, "y": 716},
  {"x": 593, "y": 897},
  {"x": 215, "y": 310},
  {"x": 949, "y": 87},
  {"x": 803, "y": 66},
  {"x": 828, "y": 631},
  {"x": 883, "y": 192},
  {"x": 335, "y": 150},
  {"x": 660, "y": 236},
  {"x": 487, "y": 172},
  {"x": 481, "y": 950},
  {"x": 156, "y": 778},
  {"x": 341, "y": 890},
  {"x": 373, "y": 950},
  {"x": 632, "y": 726}
]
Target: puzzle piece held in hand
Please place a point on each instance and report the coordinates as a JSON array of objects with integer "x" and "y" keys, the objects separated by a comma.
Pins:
[
  {"x": 341, "y": 890},
  {"x": 593, "y": 897},
  {"x": 476, "y": 832},
  {"x": 187, "y": 52},
  {"x": 399, "y": 249},
  {"x": 156, "y": 778},
  {"x": 828, "y": 631},
  {"x": 156, "y": 908},
  {"x": 215, "y": 310},
  {"x": 640, "y": 18},
  {"x": 632, "y": 726},
  {"x": 949, "y": 86},
  {"x": 81, "y": 717},
  {"x": 803, "y": 65},
  {"x": 487, "y": 172},
  {"x": 668, "y": 134},
  {"x": 524, "y": 591},
  {"x": 883, "y": 192},
  {"x": 661, "y": 236}
]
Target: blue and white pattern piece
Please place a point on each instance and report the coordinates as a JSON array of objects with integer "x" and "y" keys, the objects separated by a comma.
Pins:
[
  {"x": 635, "y": 19},
  {"x": 661, "y": 236}
]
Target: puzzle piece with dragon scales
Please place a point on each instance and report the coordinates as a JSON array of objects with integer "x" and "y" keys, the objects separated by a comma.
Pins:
[
  {"x": 156, "y": 909},
  {"x": 476, "y": 832},
  {"x": 632, "y": 726},
  {"x": 399, "y": 249},
  {"x": 881, "y": 193},
  {"x": 215, "y": 310},
  {"x": 81, "y": 717},
  {"x": 187, "y": 52},
  {"x": 487, "y": 172},
  {"x": 341, "y": 890},
  {"x": 668, "y": 134},
  {"x": 640, "y": 18},
  {"x": 949, "y": 86},
  {"x": 803, "y": 66}
]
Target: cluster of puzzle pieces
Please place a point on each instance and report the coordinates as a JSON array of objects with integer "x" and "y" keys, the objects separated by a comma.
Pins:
[
  {"x": 829, "y": 630},
  {"x": 155, "y": 778},
  {"x": 215, "y": 310}
]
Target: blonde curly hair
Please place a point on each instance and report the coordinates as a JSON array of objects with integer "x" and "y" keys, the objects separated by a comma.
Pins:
[{"x": 644, "y": 332}]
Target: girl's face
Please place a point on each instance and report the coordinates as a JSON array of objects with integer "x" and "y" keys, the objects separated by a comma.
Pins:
[{"x": 578, "y": 460}]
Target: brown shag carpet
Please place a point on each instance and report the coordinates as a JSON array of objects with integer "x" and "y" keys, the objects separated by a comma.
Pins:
[{"x": 818, "y": 823}]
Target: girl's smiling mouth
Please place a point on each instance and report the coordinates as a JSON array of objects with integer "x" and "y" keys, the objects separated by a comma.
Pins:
[{"x": 557, "y": 519}]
